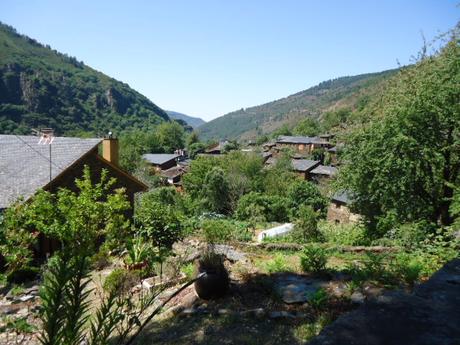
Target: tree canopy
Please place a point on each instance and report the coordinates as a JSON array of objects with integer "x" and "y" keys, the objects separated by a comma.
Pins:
[{"x": 402, "y": 166}]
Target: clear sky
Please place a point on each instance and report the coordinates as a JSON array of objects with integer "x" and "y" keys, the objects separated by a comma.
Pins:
[{"x": 207, "y": 58}]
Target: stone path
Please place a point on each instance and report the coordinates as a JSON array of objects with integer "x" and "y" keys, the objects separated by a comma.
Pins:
[{"x": 429, "y": 316}]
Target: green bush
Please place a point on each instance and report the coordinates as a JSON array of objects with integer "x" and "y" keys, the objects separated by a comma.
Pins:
[
  {"x": 189, "y": 270},
  {"x": 306, "y": 193},
  {"x": 412, "y": 235},
  {"x": 121, "y": 280},
  {"x": 407, "y": 267},
  {"x": 343, "y": 234},
  {"x": 313, "y": 259},
  {"x": 101, "y": 259},
  {"x": 306, "y": 226},
  {"x": 277, "y": 264},
  {"x": 223, "y": 230},
  {"x": 271, "y": 208}
]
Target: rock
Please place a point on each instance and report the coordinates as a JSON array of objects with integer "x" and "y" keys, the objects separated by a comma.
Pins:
[
  {"x": 188, "y": 311},
  {"x": 258, "y": 312},
  {"x": 146, "y": 285},
  {"x": 297, "y": 289},
  {"x": 357, "y": 297},
  {"x": 339, "y": 290},
  {"x": 229, "y": 252},
  {"x": 33, "y": 290},
  {"x": 281, "y": 315},
  {"x": 26, "y": 298},
  {"x": 189, "y": 299},
  {"x": 224, "y": 312},
  {"x": 372, "y": 291},
  {"x": 9, "y": 309},
  {"x": 431, "y": 315}
]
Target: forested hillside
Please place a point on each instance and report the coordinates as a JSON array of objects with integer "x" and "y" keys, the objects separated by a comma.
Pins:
[
  {"x": 352, "y": 92},
  {"x": 40, "y": 87},
  {"x": 192, "y": 121}
]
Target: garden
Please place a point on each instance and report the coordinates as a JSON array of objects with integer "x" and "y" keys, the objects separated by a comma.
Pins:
[{"x": 189, "y": 270}]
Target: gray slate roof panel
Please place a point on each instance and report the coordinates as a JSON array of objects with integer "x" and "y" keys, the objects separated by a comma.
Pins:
[
  {"x": 343, "y": 197},
  {"x": 159, "y": 158},
  {"x": 304, "y": 164},
  {"x": 25, "y": 164},
  {"x": 324, "y": 170}
]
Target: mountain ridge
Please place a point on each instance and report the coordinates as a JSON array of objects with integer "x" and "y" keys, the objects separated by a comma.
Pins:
[
  {"x": 40, "y": 87},
  {"x": 248, "y": 123},
  {"x": 193, "y": 121}
]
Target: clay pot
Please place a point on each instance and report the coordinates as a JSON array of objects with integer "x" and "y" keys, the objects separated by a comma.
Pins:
[{"x": 214, "y": 283}]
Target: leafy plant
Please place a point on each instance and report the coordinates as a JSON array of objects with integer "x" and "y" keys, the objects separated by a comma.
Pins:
[
  {"x": 188, "y": 270},
  {"x": 318, "y": 299},
  {"x": 277, "y": 264},
  {"x": 343, "y": 234},
  {"x": 121, "y": 280},
  {"x": 313, "y": 259},
  {"x": 139, "y": 253},
  {"x": 18, "y": 325},
  {"x": 306, "y": 226}
]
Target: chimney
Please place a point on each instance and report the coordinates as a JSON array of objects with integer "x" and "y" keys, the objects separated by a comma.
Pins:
[{"x": 110, "y": 149}]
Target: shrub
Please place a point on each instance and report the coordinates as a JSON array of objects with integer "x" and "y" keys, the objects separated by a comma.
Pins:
[
  {"x": 121, "y": 280},
  {"x": 271, "y": 208},
  {"x": 306, "y": 225},
  {"x": 319, "y": 299},
  {"x": 188, "y": 270},
  {"x": 223, "y": 230},
  {"x": 412, "y": 235},
  {"x": 407, "y": 268},
  {"x": 343, "y": 234},
  {"x": 313, "y": 259},
  {"x": 306, "y": 193},
  {"x": 277, "y": 264},
  {"x": 101, "y": 259}
]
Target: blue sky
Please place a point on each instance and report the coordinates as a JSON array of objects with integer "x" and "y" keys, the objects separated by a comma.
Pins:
[{"x": 207, "y": 58}]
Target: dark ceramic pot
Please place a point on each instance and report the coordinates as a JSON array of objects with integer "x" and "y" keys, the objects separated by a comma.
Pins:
[{"x": 213, "y": 284}]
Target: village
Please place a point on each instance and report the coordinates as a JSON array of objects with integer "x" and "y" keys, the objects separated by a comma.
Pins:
[
  {"x": 236, "y": 173},
  {"x": 301, "y": 259}
]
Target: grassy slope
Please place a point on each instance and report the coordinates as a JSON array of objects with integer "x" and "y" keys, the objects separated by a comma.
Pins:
[
  {"x": 328, "y": 95},
  {"x": 41, "y": 87}
]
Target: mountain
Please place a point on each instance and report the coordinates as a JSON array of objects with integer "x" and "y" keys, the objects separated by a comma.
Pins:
[
  {"x": 192, "y": 121},
  {"x": 40, "y": 87},
  {"x": 329, "y": 95}
]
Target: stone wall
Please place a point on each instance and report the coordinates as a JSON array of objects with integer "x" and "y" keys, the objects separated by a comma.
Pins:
[{"x": 341, "y": 214}]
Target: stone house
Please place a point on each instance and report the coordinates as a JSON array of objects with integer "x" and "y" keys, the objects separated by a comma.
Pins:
[
  {"x": 303, "y": 167},
  {"x": 339, "y": 210},
  {"x": 322, "y": 173}
]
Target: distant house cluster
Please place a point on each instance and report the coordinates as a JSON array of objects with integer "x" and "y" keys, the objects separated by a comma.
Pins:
[
  {"x": 169, "y": 166},
  {"x": 303, "y": 149},
  {"x": 308, "y": 160}
]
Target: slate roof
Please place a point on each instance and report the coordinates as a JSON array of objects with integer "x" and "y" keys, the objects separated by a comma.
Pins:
[
  {"x": 324, "y": 170},
  {"x": 173, "y": 172},
  {"x": 286, "y": 139},
  {"x": 25, "y": 164},
  {"x": 159, "y": 158},
  {"x": 304, "y": 164},
  {"x": 343, "y": 197},
  {"x": 218, "y": 147}
]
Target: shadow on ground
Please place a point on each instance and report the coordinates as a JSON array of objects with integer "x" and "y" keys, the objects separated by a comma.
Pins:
[{"x": 222, "y": 322}]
